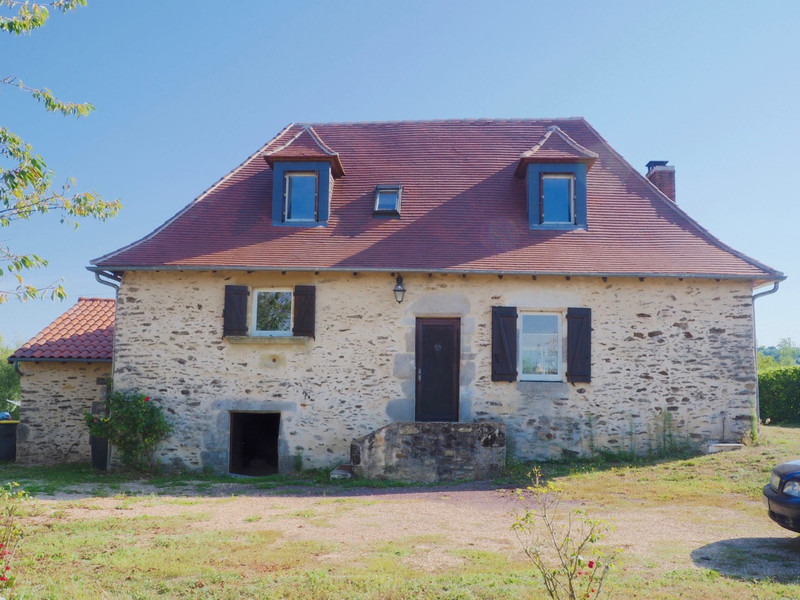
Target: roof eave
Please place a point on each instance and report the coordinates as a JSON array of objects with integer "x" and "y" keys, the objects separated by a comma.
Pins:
[{"x": 757, "y": 279}]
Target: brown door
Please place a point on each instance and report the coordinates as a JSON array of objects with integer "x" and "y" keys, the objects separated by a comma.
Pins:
[{"x": 438, "y": 356}]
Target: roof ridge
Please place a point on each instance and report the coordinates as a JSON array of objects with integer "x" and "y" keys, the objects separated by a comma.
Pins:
[
  {"x": 95, "y": 298},
  {"x": 466, "y": 120}
]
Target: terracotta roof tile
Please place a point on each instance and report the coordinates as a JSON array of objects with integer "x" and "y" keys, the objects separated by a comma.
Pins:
[
  {"x": 463, "y": 211},
  {"x": 84, "y": 332}
]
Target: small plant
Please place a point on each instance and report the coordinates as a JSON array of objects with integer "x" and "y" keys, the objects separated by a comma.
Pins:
[
  {"x": 562, "y": 545},
  {"x": 134, "y": 424},
  {"x": 11, "y": 499}
]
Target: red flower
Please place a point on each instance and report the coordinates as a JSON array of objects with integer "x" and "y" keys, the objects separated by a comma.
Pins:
[
  {"x": 591, "y": 565},
  {"x": 3, "y": 578},
  {"x": 8, "y": 568},
  {"x": 147, "y": 398}
]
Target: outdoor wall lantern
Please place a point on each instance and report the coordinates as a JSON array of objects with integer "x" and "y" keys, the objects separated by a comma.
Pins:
[{"x": 399, "y": 289}]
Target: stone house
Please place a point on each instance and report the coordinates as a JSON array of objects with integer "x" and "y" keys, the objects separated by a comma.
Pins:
[
  {"x": 346, "y": 277},
  {"x": 64, "y": 371}
]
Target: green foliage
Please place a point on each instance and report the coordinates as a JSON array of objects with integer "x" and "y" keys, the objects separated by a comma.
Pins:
[
  {"x": 32, "y": 15},
  {"x": 134, "y": 424},
  {"x": 11, "y": 533},
  {"x": 9, "y": 379},
  {"x": 779, "y": 395},
  {"x": 785, "y": 354},
  {"x": 562, "y": 545},
  {"x": 26, "y": 183}
]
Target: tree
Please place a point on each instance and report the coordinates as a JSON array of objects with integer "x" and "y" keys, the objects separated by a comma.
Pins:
[
  {"x": 26, "y": 184},
  {"x": 9, "y": 379}
]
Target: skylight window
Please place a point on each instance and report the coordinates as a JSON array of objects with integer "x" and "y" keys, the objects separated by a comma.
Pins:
[{"x": 387, "y": 200}]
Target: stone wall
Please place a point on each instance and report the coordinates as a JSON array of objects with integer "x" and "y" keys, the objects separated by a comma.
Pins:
[
  {"x": 431, "y": 452},
  {"x": 54, "y": 396},
  {"x": 671, "y": 360}
]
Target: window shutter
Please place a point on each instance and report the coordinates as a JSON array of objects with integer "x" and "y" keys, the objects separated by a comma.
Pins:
[
  {"x": 579, "y": 345},
  {"x": 235, "y": 314},
  {"x": 304, "y": 301},
  {"x": 504, "y": 343}
]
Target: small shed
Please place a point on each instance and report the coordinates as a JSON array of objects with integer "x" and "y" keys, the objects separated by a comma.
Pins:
[{"x": 64, "y": 371}]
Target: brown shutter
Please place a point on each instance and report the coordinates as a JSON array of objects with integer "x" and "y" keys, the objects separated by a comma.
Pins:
[
  {"x": 579, "y": 345},
  {"x": 304, "y": 301},
  {"x": 504, "y": 343},
  {"x": 235, "y": 315}
]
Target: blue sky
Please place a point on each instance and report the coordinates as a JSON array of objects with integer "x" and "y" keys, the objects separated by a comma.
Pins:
[{"x": 186, "y": 90}]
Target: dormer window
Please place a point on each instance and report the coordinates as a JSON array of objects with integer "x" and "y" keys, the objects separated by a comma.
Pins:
[
  {"x": 557, "y": 203},
  {"x": 301, "y": 193},
  {"x": 555, "y": 181},
  {"x": 303, "y": 170},
  {"x": 301, "y": 196},
  {"x": 387, "y": 200}
]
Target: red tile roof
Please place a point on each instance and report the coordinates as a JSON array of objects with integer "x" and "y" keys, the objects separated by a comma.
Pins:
[
  {"x": 84, "y": 333},
  {"x": 555, "y": 146},
  {"x": 463, "y": 211}
]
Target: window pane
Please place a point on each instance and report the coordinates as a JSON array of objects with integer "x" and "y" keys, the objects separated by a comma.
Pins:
[
  {"x": 301, "y": 196},
  {"x": 539, "y": 342},
  {"x": 556, "y": 199},
  {"x": 273, "y": 311},
  {"x": 387, "y": 201}
]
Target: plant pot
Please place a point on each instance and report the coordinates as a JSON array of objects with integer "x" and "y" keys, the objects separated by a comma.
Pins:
[
  {"x": 8, "y": 440},
  {"x": 100, "y": 453}
]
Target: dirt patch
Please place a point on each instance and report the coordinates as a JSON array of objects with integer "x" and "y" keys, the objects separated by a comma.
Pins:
[{"x": 433, "y": 529}]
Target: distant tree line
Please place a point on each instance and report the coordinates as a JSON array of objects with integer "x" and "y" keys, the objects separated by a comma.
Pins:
[{"x": 785, "y": 354}]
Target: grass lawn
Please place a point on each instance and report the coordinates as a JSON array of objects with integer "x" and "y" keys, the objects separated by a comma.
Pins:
[{"x": 688, "y": 528}]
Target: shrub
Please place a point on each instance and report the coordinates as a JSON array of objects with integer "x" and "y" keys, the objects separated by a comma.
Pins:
[
  {"x": 779, "y": 395},
  {"x": 133, "y": 424},
  {"x": 562, "y": 545},
  {"x": 11, "y": 499}
]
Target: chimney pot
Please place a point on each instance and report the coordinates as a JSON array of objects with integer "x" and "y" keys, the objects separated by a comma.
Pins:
[{"x": 662, "y": 176}]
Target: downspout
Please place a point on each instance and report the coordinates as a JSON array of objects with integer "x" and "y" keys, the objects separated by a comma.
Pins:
[
  {"x": 756, "y": 417},
  {"x": 114, "y": 279},
  {"x": 16, "y": 368}
]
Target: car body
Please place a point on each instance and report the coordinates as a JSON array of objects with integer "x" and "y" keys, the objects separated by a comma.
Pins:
[{"x": 782, "y": 495}]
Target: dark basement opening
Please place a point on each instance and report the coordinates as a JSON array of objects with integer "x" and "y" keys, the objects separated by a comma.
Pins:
[{"x": 254, "y": 443}]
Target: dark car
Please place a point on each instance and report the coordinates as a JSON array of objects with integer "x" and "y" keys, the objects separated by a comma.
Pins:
[{"x": 782, "y": 495}]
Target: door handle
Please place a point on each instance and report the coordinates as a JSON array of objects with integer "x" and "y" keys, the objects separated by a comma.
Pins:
[{"x": 419, "y": 375}]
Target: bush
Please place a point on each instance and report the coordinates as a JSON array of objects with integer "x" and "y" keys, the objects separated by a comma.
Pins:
[
  {"x": 133, "y": 424},
  {"x": 11, "y": 499},
  {"x": 779, "y": 395}
]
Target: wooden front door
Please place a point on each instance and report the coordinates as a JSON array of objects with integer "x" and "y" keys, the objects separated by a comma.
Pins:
[{"x": 437, "y": 362}]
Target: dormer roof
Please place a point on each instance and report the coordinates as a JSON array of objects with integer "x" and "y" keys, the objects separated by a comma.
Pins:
[
  {"x": 303, "y": 146},
  {"x": 556, "y": 147}
]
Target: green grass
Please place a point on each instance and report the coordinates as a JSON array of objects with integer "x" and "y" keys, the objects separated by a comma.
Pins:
[{"x": 75, "y": 549}]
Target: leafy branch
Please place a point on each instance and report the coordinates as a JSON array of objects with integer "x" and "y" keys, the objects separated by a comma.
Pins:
[
  {"x": 32, "y": 15},
  {"x": 26, "y": 184}
]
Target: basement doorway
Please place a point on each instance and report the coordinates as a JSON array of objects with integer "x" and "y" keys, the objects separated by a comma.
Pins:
[{"x": 254, "y": 443}]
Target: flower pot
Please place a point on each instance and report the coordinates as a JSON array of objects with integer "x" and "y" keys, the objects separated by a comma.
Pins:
[
  {"x": 8, "y": 440},
  {"x": 100, "y": 452}
]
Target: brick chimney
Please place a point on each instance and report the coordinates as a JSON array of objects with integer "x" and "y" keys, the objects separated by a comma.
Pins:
[{"x": 662, "y": 176}]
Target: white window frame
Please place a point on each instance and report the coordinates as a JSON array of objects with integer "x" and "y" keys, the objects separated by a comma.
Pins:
[
  {"x": 286, "y": 200},
  {"x": 571, "y": 207},
  {"x": 254, "y": 313},
  {"x": 559, "y": 316}
]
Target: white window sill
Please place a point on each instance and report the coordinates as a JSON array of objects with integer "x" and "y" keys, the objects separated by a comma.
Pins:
[{"x": 268, "y": 340}]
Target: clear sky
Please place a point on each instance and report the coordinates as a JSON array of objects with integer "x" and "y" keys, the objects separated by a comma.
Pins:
[{"x": 186, "y": 90}]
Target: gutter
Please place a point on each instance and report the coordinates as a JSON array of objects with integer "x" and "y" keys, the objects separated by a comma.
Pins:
[
  {"x": 774, "y": 289},
  {"x": 422, "y": 270},
  {"x": 15, "y": 361}
]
